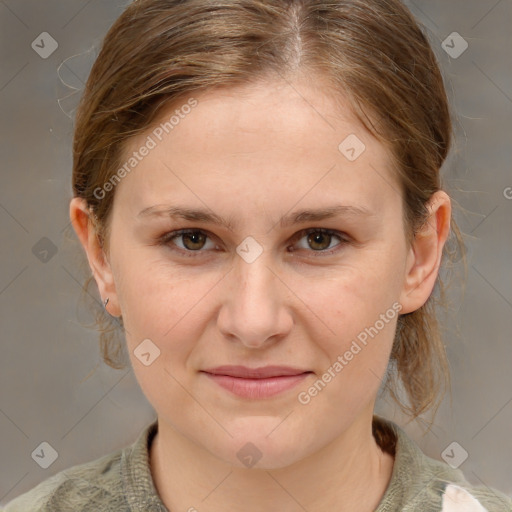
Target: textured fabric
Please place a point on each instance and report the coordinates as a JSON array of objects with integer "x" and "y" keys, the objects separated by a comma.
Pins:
[
  {"x": 456, "y": 498},
  {"x": 420, "y": 483},
  {"x": 121, "y": 481}
]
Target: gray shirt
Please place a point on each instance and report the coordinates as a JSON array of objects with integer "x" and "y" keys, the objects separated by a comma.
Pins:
[{"x": 122, "y": 481}]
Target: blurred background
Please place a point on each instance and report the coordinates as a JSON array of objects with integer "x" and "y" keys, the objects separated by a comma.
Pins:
[{"x": 54, "y": 386}]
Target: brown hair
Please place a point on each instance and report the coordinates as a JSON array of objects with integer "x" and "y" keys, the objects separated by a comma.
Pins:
[{"x": 372, "y": 51}]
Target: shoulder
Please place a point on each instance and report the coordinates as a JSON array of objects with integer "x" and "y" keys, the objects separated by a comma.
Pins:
[
  {"x": 419, "y": 482},
  {"x": 118, "y": 481},
  {"x": 90, "y": 486}
]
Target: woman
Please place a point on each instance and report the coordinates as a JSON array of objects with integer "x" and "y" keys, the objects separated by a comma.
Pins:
[{"x": 257, "y": 190}]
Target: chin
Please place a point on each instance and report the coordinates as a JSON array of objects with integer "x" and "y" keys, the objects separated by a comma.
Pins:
[{"x": 261, "y": 442}]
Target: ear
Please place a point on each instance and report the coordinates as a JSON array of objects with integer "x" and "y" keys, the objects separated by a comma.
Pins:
[
  {"x": 424, "y": 258},
  {"x": 98, "y": 261}
]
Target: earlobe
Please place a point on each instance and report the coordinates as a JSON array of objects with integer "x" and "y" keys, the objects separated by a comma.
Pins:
[
  {"x": 424, "y": 258},
  {"x": 98, "y": 261}
]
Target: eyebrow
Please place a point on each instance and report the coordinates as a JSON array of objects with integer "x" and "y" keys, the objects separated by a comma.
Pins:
[{"x": 297, "y": 217}]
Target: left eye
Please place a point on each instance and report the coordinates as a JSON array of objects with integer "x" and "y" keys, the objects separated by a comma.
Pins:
[
  {"x": 321, "y": 238},
  {"x": 193, "y": 240}
]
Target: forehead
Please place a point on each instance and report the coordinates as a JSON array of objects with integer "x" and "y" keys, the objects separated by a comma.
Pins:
[
  {"x": 260, "y": 141},
  {"x": 260, "y": 115}
]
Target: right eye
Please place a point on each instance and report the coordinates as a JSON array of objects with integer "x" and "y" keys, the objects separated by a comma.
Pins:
[{"x": 193, "y": 240}]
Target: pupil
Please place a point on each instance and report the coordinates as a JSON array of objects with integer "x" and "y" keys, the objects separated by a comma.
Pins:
[
  {"x": 317, "y": 237},
  {"x": 193, "y": 236}
]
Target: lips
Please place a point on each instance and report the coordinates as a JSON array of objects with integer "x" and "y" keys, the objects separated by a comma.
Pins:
[
  {"x": 256, "y": 383},
  {"x": 263, "y": 372}
]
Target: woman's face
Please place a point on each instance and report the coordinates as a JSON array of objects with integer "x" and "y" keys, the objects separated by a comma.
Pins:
[{"x": 265, "y": 291}]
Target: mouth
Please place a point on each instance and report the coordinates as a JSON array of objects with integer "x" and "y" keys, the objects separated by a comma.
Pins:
[{"x": 256, "y": 383}]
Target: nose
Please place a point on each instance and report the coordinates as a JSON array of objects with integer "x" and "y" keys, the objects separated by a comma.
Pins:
[{"x": 256, "y": 308}]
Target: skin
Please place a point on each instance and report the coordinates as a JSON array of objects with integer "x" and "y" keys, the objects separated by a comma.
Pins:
[{"x": 256, "y": 154}]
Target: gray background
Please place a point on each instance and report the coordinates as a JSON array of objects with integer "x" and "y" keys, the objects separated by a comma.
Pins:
[{"x": 54, "y": 385}]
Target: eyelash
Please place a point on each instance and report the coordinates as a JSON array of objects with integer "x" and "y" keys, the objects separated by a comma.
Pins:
[{"x": 167, "y": 238}]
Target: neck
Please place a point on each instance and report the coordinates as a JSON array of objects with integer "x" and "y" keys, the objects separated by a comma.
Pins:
[{"x": 350, "y": 473}]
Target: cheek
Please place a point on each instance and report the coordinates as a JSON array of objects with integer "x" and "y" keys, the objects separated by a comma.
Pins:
[
  {"x": 169, "y": 306},
  {"x": 361, "y": 315},
  {"x": 359, "y": 311},
  {"x": 140, "y": 294},
  {"x": 358, "y": 296}
]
